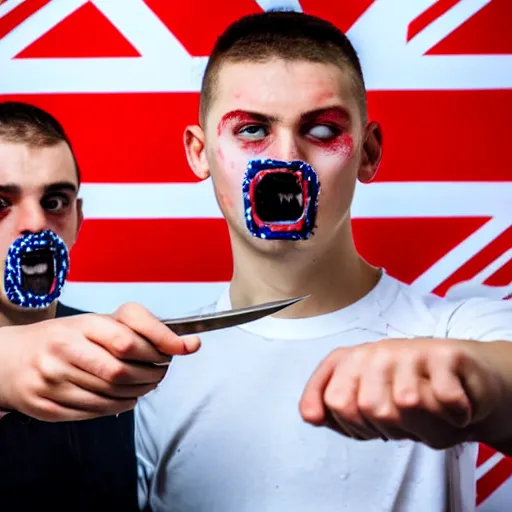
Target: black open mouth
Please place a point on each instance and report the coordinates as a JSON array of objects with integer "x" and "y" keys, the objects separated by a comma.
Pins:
[
  {"x": 38, "y": 272},
  {"x": 278, "y": 197}
]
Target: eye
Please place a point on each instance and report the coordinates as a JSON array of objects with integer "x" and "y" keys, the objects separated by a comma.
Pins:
[
  {"x": 253, "y": 131},
  {"x": 4, "y": 204},
  {"x": 55, "y": 203},
  {"x": 323, "y": 132}
]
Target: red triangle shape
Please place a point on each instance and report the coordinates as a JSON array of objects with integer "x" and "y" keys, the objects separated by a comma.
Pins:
[
  {"x": 407, "y": 247},
  {"x": 342, "y": 14},
  {"x": 487, "y": 33},
  {"x": 85, "y": 33},
  {"x": 208, "y": 19}
]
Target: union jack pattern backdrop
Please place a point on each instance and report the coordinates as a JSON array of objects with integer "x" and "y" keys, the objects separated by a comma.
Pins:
[{"x": 123, "y": 76}]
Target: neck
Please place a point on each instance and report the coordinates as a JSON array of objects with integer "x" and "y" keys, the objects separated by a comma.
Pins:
[
  {"x": 13, "y": 316},
  {"x": 333, "y": 277}
]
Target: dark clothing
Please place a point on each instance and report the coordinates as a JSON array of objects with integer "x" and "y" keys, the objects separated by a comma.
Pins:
[{"x": 76, "y": 466}]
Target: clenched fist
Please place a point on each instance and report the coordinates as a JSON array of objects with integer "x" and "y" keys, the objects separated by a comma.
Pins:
[
  {"x": 85, "y": 366},
  {"x": 427, "y": 390}
]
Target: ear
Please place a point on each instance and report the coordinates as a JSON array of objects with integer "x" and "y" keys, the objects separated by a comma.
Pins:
[
  {"x": 372, "y": 153},
  {"x": 193, "y": 139}
]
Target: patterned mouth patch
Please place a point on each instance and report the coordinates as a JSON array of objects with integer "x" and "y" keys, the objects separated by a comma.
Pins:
[
  {"x": 280, "y": 199},
  {"x": 36, "y": 269}
]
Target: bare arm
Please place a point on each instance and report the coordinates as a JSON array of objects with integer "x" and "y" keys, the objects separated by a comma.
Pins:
[{"x": 496, "y": 429}]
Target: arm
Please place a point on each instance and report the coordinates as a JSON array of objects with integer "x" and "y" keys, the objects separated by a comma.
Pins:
[
  {"x": 490, "y": 322},
  {"x": 496, "y": 429}
]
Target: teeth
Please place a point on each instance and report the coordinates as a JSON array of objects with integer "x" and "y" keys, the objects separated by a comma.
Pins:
[
  {"x": 286, "y": 197},
  {"x": 32, "y": 270},
  {"x": 289, "y": 197}
]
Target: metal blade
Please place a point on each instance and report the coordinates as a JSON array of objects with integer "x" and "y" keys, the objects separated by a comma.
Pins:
[{"x": 223, "y": 319}]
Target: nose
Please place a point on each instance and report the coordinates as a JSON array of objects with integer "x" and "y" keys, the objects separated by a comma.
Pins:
[
  {"x": 31, "y": 218},
  {"x": 287, "y": 147}
]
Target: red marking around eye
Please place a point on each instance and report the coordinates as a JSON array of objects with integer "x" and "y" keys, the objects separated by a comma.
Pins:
[
  {"x": 238, "y": 116},
  {"x": 288, "y": 226},
  {"x": 342, "y": 144},
  {"x": 335, "y": 115},
  {"x": 338, "y": 118}
]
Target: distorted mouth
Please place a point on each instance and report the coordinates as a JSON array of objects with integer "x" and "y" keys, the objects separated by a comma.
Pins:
[
  {"x": 278, "y": 198},
  {"x": 38, "y": 272}
]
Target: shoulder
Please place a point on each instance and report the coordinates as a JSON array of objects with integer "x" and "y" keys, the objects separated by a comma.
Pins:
[{"x": 472, "y": 318}]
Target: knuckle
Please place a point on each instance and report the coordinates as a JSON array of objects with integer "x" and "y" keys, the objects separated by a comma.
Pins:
[
  {"x": 122, "y": 344},
  {"x": 336, "y": 400},
  {"x": 407, "y": 398},
  {"x": 128, "y": 310},
  {"x": 367, "y": 406},
  {"x": 116, "y": 373},
  {"x": 450, "y": 355},
  {"x": 385, "y": 413},
  {"x": 48, "y": 410},
  {"x": 48, "y": 369},
  {"x": 383, "y": 360}
]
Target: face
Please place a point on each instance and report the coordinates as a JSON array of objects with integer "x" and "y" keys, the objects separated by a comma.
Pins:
[
  {"x": 38, "y": 191},
  {"x": 285, "y": 111}
]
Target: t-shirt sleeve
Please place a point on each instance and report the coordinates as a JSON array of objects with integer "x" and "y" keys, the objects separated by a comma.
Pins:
[{"x": 481, "y": 320}]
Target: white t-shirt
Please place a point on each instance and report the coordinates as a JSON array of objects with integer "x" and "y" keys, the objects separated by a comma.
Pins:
[{"x": 223, "y": 433}]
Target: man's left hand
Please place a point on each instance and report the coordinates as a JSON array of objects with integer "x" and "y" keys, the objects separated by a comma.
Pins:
[{"x": 428, "y": 390}]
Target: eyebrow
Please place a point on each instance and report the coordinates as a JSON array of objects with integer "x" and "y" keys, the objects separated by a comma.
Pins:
[
  {"x": 337, "y": 110},
  {"x": 60, "y": 186},
  {"x": 10, "y": 189},
  {"x": 247, "y": 113},
  {"x": 264, "y": 118}
]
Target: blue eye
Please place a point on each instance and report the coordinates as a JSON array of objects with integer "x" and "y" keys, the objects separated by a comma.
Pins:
[{"x": 253, "y": 131}]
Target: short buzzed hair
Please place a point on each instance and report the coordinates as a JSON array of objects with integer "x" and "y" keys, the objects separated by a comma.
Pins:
[
  {"x": 288, "y": 35},
  {"x": 27, "y": 124}
]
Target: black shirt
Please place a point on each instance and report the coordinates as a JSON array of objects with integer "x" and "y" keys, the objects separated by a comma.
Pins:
[{"x": 77, "y": 466}]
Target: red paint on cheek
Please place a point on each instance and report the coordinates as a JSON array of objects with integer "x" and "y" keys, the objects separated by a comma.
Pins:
[
  {"x": 342, "y": 145},
  {"x": 254, "y": 146}
]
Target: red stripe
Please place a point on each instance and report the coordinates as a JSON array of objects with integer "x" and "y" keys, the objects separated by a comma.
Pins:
[
  {"x": 342, "y": 15},
  {"x": 443, "y": 135},
  {"x": 484, "y": 454},
  {"x": 197, "y": 24},
  {"x": 493, "y": 479},
  {"x": 486, "y": 33},
  {"x": 428, "y": 136},
  {"x": 417, "y": 243},
  {"x": 158, "y": 250},
  {"x": 478, "y": 262},
  {"x": 502, "y": 277},
  {"x": 132, "y": 138},
  {"x": 19, "y": 14},
  {"x": 195, "y": 250},
  {"x": 71, "y": 38},
  {"x": 427, "y": 17}
]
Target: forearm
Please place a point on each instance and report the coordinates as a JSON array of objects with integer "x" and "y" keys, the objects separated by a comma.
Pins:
[{"x": 496, "y": 429}]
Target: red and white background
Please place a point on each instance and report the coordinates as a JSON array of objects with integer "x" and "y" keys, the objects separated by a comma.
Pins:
[{"x": 123, "y": 77}]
